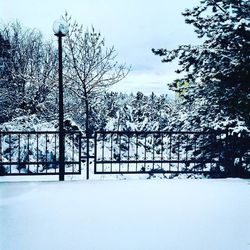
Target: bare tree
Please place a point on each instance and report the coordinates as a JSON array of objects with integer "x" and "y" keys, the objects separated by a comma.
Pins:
[{"x": 90, "y": 67}]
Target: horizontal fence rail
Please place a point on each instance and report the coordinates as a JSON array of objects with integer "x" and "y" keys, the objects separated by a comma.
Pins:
[
  {"x": 152, "y": 152},
  {"x": 37, "y": 153}
]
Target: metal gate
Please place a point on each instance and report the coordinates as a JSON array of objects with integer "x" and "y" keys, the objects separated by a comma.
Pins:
[
  {"x": 218, "y": 154},
  {"x": 37, "y": 153},
  {"x": 213, "y": 153}
]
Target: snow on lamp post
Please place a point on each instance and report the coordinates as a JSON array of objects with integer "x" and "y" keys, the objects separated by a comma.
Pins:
[{"x": 61, "y": 28}]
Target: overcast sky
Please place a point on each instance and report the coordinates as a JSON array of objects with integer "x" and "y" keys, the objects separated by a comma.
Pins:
[{"x": 134, "y": 27}]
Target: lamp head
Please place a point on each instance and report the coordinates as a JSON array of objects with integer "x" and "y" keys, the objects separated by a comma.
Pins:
[{"x": 60, "y": 27}]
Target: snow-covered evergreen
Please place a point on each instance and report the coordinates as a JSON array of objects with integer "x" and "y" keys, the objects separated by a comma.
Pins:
[{"x": 217, "y": 71}]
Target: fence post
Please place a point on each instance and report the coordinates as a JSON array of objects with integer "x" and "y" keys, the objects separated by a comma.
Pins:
[{"x": 87, "y": 156}]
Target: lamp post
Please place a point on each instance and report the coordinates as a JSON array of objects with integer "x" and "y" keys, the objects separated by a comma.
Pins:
[{"x": 60, "y": 28}]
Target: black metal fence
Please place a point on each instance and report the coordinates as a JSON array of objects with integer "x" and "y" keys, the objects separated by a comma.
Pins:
[
  {"x": 213, "y": 153},
  {"x": 37, "y": 153},
  {"x": 115, "y": 152}
]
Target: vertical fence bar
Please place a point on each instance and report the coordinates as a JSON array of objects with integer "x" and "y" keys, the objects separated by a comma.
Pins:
[
  {"x": 111, "y": 151},
  {"x": 95, "y": 152},
  {"x": 102, "y": 151},
  {"x": 162, "y": 137},
  {"x": 153, "y": 142},
  {"x": 220, "y": 150},
  {"x": 87, "y": 154},
  {"x": 10, "y": 152},
  {"x": 170, "y": 149},
  {"x": 80, "y": 153},
  {"x": 55, "y": 153},
  {"x": 37, "y": 159},
  {"x": 145, "y": 152},
  {"x": 136, "y": 152},
  {"x": 19, "y": 152},
  {"x": 28, "y": 149},
  {"x": 178, "y": 154},
  {"x": 120, "y": 152},
  {"x": 229, "y": 171},
  {"x": 128, "y": 150},
  {"x": 187, "y": 147},
  {"x": 46, "y": 153},
  {"x": 195, "y": 147},
  {"x": 203, "y": 151},
  {"x": 73, "y": 153}
]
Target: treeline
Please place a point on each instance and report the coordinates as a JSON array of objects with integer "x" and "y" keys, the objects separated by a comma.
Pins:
[
  {"x": 127, "y": 112},
  {"x": 109, "y": 111},
  {"x": 29, "y": 71}
]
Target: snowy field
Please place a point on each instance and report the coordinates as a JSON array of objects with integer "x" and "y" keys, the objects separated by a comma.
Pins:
[{"x": 177, "y": 214}]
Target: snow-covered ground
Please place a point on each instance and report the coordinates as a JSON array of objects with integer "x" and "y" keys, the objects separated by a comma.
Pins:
[{"x": 178, "y": 214}]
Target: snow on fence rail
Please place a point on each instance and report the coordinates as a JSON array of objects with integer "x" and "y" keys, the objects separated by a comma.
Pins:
[
  {"x": 37, "y": 153},
  {"x": 216, "y": 153}
]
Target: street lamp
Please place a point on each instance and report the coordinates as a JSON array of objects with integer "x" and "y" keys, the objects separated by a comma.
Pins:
[{"x": 61, "y": 28}]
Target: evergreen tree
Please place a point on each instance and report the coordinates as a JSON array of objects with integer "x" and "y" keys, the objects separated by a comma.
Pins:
[
  {"x": 139, "y": 109},
  {"x": 218, "y": 70}
]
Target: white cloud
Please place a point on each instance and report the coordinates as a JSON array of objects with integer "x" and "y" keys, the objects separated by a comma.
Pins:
[
  {"x": 134, "y": 27},
  {"x": 146, "y": 82}
]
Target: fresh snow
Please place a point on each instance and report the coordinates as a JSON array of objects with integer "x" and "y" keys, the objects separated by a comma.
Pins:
[{"x": 177, "y": 214}]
